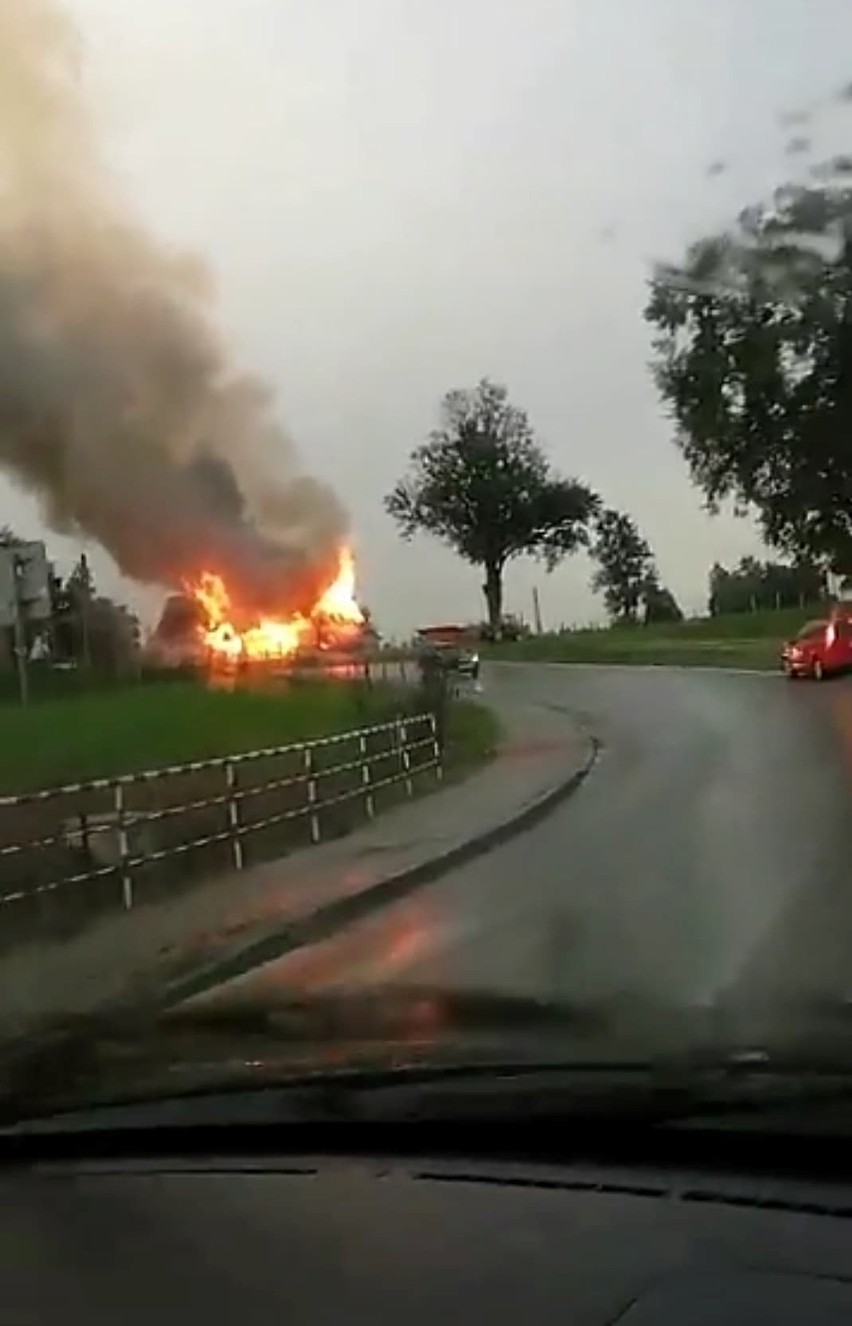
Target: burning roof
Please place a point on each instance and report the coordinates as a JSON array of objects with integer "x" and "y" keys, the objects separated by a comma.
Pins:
[{"x": 204, "y": 620}]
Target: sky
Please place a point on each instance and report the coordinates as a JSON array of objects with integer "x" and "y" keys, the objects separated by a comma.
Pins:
[{"x": 399, "y": 197}]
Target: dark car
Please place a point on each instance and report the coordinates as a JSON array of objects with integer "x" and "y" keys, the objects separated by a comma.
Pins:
[
  {"x": 467, "y": 663},
  {"x": 453, "y": 646},
  {"x": 455, "y": 658},
  {"x": 820, "y": 649}
]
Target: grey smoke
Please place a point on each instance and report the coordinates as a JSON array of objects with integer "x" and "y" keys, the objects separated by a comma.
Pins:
[{"x": 119, "y": 405}]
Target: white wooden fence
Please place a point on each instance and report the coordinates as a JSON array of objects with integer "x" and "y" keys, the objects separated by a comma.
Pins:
[{"x": 102, "y": 826}]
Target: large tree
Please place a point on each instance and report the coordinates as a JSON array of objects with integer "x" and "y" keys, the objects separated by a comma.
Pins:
[
  {"x": 625, "y": 564},
  {"x": 482, "y": 484},
  {"x": 753, "y": 357}
]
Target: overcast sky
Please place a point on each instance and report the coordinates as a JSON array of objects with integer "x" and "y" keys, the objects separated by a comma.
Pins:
[{"x": 401, "y": 196}]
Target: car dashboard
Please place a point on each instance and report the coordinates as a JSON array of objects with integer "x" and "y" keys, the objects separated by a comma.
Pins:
[{"x": 336, "y": 1238}]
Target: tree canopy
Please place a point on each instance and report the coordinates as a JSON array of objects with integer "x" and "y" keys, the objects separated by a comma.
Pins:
[
  {"x": 482, "y": 485},
  {"x": 753, "y": 584},
  {"x": 753, "y": 357},
  {"x": 660, "y": 604},
  {"x": 626, "y": 572},
  {"x": 625, "y": 564}
]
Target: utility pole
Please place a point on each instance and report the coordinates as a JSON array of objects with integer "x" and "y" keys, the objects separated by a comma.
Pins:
[
  {"x": 85, "y": 602},
  {"x": 24, "y": 599},
  {"x": 20, "y": 634},
  {"x": 537, "y": 612}
]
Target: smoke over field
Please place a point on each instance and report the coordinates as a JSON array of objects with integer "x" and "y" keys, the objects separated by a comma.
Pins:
[{"x": 119, "y": 407}]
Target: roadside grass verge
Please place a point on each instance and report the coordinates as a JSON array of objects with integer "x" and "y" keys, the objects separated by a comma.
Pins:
[
  {"x": 474, "y": 733},
  {"x": 741, "y": 640},
  {"x": 760, "y": 654}
]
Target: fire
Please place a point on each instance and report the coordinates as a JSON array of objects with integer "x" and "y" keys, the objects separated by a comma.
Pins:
[{"x": 336, "y": 613}]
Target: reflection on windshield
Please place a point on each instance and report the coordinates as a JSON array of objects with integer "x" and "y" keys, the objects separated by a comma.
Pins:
[{"x": 812, "y": 628}]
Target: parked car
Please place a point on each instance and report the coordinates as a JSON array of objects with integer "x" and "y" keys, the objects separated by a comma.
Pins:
[{"x": 820, "y": 649}]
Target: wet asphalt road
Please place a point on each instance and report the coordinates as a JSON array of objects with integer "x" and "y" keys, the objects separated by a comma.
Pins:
[{"x": 708, "y": 854}]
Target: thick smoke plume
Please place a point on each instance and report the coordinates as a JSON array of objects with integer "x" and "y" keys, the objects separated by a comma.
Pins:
[{"x": 118, "y": 405}]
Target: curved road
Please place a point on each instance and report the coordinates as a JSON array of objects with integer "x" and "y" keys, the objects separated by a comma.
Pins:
[{"x": 708, "y": 853}]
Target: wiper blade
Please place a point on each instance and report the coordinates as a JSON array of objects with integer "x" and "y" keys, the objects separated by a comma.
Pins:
[
  {"x": 291, "y": 1051},
  {"x": 506, "y": 1090}
]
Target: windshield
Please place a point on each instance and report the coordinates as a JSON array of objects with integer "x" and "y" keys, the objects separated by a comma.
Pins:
[
  {"x": 811, "y": 629},
  {"x": 416, "y": 460}
]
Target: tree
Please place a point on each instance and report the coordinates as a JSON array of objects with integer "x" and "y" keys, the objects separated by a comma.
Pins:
[
  {"x": 753, "y": 357},
  {"x": 482, "y": 485},
  {"x": 660, "y": 604},
  {"x": 752, "y": 585},
  {"x": 625, "y": 565},
  {"x": 113, "y": 637},
  {"x": 80, "y": 592},
  {"x": 81, "y": 582}
]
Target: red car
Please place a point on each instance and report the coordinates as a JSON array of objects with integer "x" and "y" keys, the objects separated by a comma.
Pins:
[{"x": 820, "y": 649}]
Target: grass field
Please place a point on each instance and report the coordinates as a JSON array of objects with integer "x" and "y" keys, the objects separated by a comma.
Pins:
[
  {"x": 742, "y": 640},
  {"x": 122, "y": 731}
]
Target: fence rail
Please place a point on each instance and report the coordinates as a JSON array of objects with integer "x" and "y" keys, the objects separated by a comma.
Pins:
[{"x": 71, "y": 851}]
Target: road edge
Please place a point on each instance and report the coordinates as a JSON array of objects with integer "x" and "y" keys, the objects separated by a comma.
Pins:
[
  {"x": 637, "y": 667},
  {"x": 333, "y": 916}
]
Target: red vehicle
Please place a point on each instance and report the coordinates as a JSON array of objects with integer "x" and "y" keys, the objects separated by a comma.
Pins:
[{"x": 822, "y": 647}]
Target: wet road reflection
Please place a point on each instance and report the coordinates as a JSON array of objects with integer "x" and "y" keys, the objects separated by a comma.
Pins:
[{"x": 707, "y": 857}]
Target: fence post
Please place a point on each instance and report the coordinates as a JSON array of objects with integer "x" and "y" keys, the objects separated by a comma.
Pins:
[
  {"x": 234, "y": 814},
  {"x": 123, "y": 848},
  {"x": 405, "y": 755},
  {"x": 436, "y": 747},
  {"x": 312, "y": 794},
  {"x": 365, "y": 779}
]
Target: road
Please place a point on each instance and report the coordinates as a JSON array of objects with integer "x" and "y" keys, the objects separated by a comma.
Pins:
[{"x": 709, "y": 853}]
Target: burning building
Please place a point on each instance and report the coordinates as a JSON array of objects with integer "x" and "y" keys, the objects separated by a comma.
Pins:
[{"x": 203, "y": 623}]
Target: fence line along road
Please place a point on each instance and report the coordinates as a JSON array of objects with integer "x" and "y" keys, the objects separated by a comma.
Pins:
[{"x": 69, "y": 852}]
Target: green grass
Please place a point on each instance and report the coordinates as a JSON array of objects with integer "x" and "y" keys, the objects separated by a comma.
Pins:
[
  {"x": 122, "y": 731},
  {"x": 146, "y": 727},
  {"x": 742, "y": 640},
  {"x": 473, "y": 735}
]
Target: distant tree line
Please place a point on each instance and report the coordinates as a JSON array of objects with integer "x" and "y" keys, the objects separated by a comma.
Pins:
[{"x": 752, "y": 585}]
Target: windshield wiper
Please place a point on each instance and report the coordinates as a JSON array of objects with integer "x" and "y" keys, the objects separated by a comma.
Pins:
[
  {"x": 278, "y": 1064},
  {"x": 641, "y": 1091}
]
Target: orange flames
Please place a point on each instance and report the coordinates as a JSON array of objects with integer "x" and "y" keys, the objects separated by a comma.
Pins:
[{"x": 336, "y": 614}]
